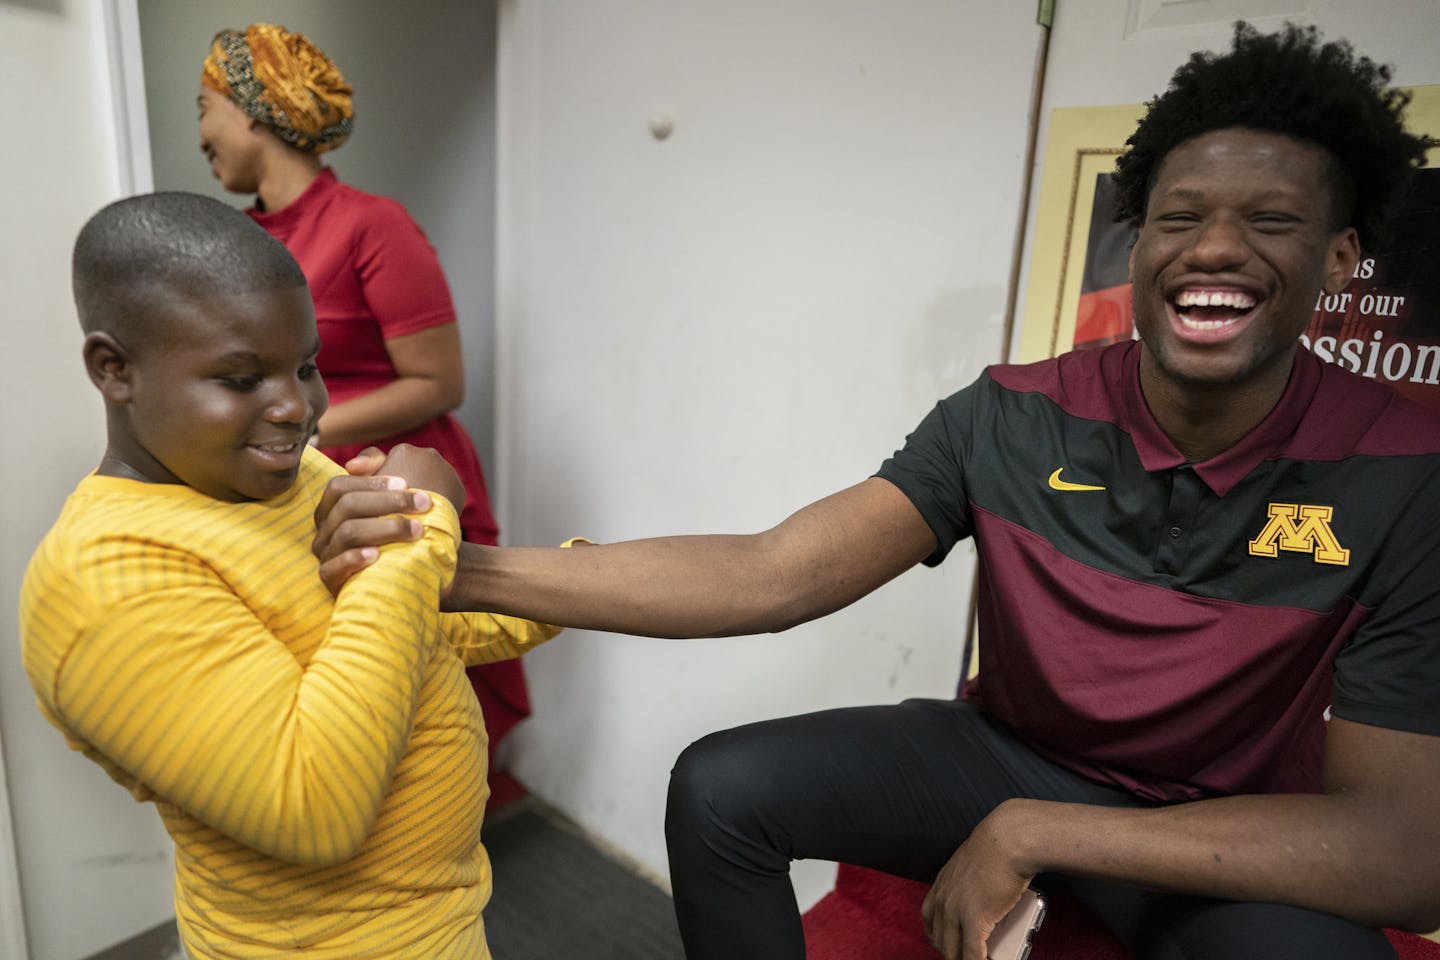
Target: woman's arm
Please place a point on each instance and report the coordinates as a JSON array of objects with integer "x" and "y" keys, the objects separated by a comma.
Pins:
[{"x": 429, "y": 381}]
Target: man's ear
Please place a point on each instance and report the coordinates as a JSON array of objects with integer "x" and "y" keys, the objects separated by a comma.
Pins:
[
  {"x": 1341, "y": 258},
  {"x": 109, "y": 365}
]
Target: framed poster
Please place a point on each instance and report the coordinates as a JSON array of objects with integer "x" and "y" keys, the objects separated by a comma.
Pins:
[{"x": 1384, "y": 325}]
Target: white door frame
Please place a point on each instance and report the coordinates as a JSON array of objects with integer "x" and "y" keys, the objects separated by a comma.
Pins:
[
  {"x": 12, "y": 908},
  {"x": 134, "y": 175},
  {"x": 127, "y": 86}
]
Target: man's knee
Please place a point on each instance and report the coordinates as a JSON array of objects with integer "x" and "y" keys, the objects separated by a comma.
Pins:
[
  {"x": 718, "y": 809},
  {"x": 714, "y": 777}
]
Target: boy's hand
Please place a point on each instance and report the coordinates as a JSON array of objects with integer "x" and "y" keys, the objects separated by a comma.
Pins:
[
  {"x": 357, "y": 513},
  {"x": 422, "y": 468}
]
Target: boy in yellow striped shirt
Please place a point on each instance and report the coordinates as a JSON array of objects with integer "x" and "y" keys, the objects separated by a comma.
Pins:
[{"x": 319, "y": 760}]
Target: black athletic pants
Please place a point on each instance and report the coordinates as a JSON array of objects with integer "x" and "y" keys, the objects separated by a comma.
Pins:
[{"x": 898, "y": 788}]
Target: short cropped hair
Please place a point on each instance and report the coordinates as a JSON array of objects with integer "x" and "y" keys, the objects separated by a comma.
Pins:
[
  {"x": 141, "y": 251},
  {"x": 1291, "y": 84}
]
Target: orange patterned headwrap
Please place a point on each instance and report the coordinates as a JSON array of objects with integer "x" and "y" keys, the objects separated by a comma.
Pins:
[{"x": 284, "y": 81}]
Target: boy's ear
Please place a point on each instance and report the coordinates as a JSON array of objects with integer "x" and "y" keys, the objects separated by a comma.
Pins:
[{"x": 109, "y": 365}]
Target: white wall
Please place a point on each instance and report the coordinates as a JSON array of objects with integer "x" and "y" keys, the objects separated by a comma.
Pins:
[
  {"x": 1124, "y": 51},
  {"x": 706, "y": 333},
  {"x": 424, "y": 79},
  {"x": 95, "y": 866}
]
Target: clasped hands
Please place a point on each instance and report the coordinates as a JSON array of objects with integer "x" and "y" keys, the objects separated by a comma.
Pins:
[{"x": 366, "y": 509}]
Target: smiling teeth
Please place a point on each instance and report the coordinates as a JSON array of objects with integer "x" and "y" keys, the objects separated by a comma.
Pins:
[
  {"x": 1224, "y": 298},
  {"x": 275, "y": 447}
]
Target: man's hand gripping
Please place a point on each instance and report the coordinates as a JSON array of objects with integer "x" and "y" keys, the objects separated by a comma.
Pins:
[{"x": 973, "y": 892}]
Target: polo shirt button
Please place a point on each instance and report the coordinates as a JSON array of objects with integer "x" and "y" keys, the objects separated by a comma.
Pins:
[{"x": 1174, "y": 532}]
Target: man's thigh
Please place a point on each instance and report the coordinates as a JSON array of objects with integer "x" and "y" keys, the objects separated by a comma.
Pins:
[
  {"x": 896, "y": 787},
  {"x": 899, "y": 788},
  {"x": 1157, "y": 926}
]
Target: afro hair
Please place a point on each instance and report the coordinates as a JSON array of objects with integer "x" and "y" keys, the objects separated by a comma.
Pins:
[{"x": 1287, "y": 83}]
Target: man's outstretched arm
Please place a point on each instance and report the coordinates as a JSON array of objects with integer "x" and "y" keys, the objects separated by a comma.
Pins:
[
  {"x": 820, "y": 559},
  {"x": 1363, "y": 849}
]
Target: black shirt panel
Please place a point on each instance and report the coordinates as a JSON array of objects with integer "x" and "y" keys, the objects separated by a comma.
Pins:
[{"x": 1327, "y": 516}]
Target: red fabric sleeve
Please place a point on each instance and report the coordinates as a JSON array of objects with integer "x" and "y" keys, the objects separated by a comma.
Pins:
[{"x": 400, "y": 274}]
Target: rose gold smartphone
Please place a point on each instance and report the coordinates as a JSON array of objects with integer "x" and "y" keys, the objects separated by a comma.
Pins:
[{"x": 1010, "y": 940}]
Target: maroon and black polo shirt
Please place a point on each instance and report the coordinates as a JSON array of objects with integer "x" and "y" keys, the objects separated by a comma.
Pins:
[{"x": 1179, "y": 628}]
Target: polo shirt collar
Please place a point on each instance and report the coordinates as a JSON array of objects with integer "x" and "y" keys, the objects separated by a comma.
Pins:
[{"x": 1226, "y": 469}]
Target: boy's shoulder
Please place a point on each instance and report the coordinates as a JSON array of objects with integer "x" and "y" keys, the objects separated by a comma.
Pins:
[
  {"x": 119, "y": 541},
  {"x": 105, "y": 515}
]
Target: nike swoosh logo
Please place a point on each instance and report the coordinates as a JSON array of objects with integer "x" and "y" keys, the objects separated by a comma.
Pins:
[{"x": 1057, "y": 484}]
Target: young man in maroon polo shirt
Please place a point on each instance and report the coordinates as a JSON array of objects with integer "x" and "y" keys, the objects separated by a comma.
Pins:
[{"x": 1206, "y": 539}]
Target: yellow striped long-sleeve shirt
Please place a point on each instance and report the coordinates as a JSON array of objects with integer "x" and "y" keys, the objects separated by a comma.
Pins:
[{"x": 319, "y": 762}]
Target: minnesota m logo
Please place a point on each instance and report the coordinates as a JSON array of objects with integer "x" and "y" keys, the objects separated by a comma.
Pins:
[{"x": 1312, "y": 535}]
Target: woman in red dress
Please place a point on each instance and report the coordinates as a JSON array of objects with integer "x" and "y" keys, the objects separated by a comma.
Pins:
[{"x": 270, "y": 104}]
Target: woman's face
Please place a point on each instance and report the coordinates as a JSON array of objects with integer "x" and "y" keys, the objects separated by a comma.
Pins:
[{"x": 231, "y": 141}]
